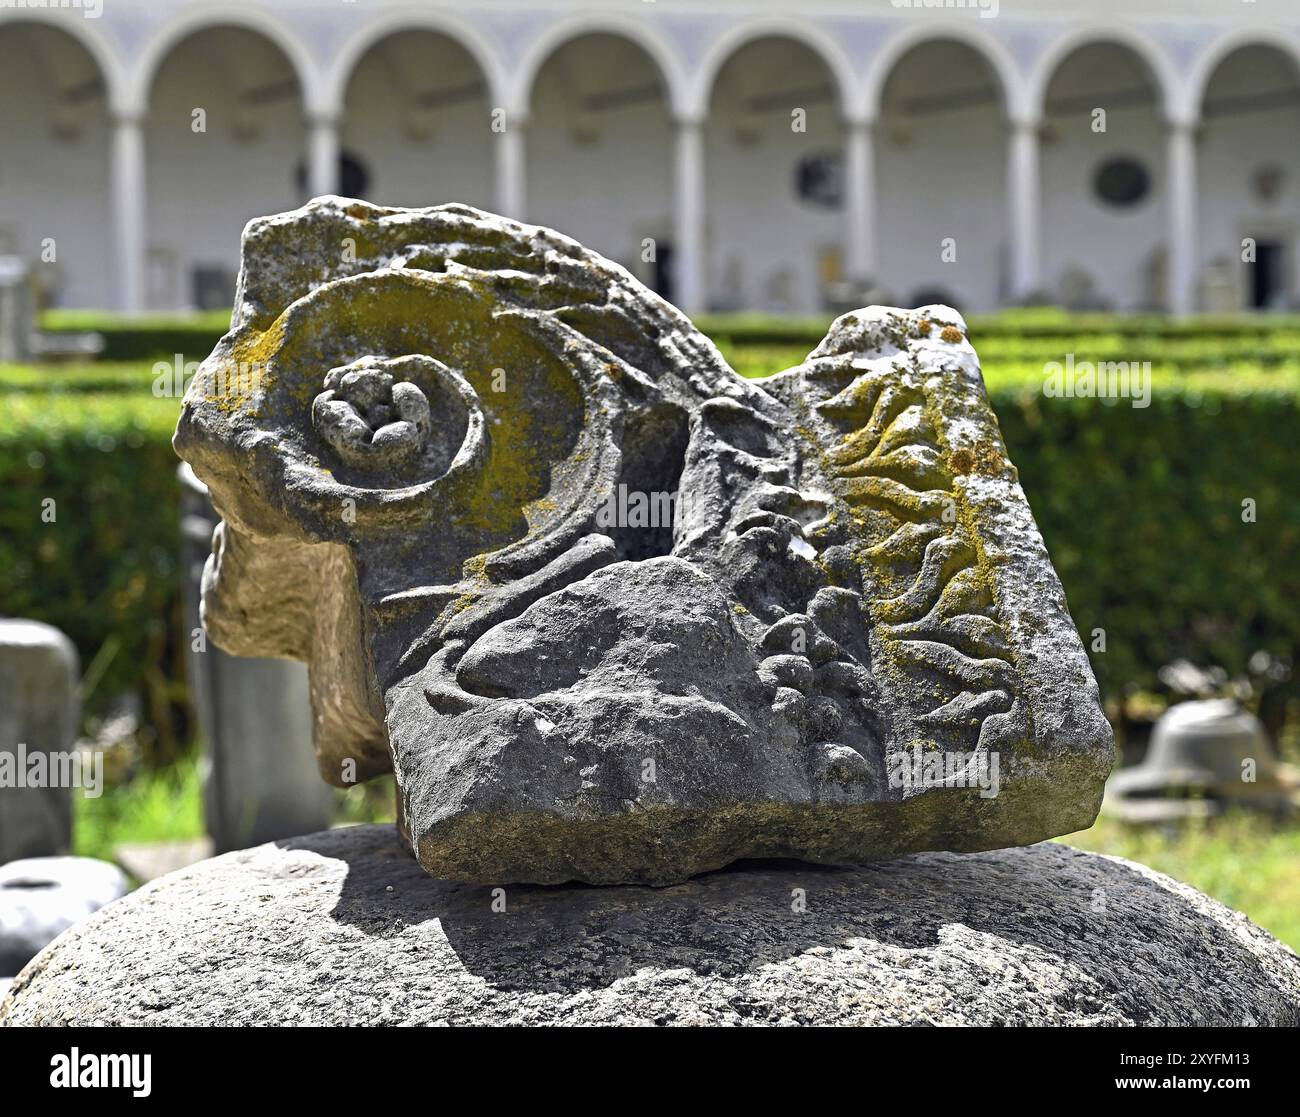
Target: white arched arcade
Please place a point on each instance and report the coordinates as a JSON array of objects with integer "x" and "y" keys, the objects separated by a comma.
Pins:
[
  {"x": 1247, "y": 97},
  {"x": 57, "y": 90},
  {"x": 599, "y": 152},
  {"x": 655, "y": 123}
]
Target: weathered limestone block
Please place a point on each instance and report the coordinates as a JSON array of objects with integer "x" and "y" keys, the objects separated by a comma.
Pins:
[
  {"x": 342, "y": 928},
  {"x": 39, "y": 716},
  {"x": 610, "y": 611}
]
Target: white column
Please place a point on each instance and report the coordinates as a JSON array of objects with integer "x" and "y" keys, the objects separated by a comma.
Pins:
[
  {"x": 1180, "y": 264},
  {"x": 128, "y": 202},
  {"x": 510, "y": 169},
  {"x": 322, "y": 155},
  {"x": 688, "y": 215},
  {"x": 1023, "y": 193},
  {"x": 859, "y": 202}
]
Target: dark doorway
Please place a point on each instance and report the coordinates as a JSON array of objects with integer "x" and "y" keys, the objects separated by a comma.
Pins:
[
  {"x": 1267, "y": 282},
  {"x": 353, "y": 177},
  {"x": 662, "y": 281}
]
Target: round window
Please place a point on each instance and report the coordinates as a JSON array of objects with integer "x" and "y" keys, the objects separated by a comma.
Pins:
[
  {"x": 819, "y": 180},
  {"x": 1122, "y": 182}
]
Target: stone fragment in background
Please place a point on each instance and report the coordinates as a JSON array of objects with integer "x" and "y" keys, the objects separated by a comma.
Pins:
[
  {"x": 41, "y": 897},
  {"x": 147, "y": 861},
  {"x": 611, "y": 612},
  {"x": 1205, "y": 757},
  {"x": 40, "y": 712},
  {"x": 17, "y": 310},
  {"x": 259, "y": 779}
]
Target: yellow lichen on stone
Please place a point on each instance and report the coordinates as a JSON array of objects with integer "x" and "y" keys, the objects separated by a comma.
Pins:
[{"x": 235, "y": 383}]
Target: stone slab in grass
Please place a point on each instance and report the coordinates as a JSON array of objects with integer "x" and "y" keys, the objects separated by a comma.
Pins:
[
  {"x": 40, "y": 897},
  {"x": 343, "y": 927},
  {"x": 40, "y": 709}
]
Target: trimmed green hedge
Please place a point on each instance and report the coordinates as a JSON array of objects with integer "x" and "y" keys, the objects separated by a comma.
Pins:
[
  {"x": 1142, "y": 337},
  {"x": 1028, "y": 324},
  {"x": 1141, "y": 509},
  {"x": 1142, "y": 512},
  {"x": 146, "y": 337},
  {"x": 107, "y": 569}
]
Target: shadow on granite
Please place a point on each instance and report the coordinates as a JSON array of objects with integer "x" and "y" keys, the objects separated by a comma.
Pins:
[{"x": 343, "y": 927}]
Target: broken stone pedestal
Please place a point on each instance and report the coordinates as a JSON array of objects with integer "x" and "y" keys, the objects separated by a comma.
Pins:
[
  {"x": 39, "y": 713},
  {"x": 343, "y": 927}
]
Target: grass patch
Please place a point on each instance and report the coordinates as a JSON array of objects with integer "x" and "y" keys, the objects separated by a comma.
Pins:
[
  {"x": 62, "y": 319},
  {"x": 1020, "y": 324},
  {"x": 374, "y": 801},
  {"x": 1221, "y": 369},
  {"x": 156, "y": 805},
  {"x": 165, "y": 804},
  {"x": 75, "y": 411},
  {"x": 133, "y": 378}
]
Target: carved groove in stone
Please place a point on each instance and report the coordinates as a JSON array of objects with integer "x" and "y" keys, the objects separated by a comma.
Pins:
[{"x": 945, "y": 620}]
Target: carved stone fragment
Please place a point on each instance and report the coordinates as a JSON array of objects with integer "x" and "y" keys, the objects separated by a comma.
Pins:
[{"x": 609, "y": 611}]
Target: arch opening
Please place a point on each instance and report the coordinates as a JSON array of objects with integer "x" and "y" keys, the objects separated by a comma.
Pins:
[
  {"x": 1104, "y": 182},
  {"x": 1249, "y": 182},
  {"x": 54, "y": 164},
  {"x": 774, "y": 146},
  {"x": 417, "y": 119},
  {"x": 224, "y": 141},
  {"x": 600, "y": 153},
  {"x": 941, "y": 177}
]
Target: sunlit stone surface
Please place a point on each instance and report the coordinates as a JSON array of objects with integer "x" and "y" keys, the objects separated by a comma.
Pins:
[{"x": 611, "y": 612}]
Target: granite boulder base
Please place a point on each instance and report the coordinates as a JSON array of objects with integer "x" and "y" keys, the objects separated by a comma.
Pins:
[
  {"x": 344, "y": 928},
  {"x": 611, "y": 612}
]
